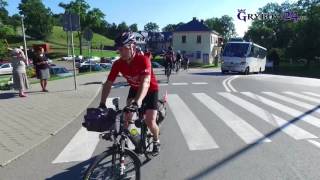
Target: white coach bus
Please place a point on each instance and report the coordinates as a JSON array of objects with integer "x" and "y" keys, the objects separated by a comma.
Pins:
[{"x": 243, "y": 57}]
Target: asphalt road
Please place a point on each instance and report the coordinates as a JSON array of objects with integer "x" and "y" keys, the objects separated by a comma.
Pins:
[{"x": 218, "y": 127}]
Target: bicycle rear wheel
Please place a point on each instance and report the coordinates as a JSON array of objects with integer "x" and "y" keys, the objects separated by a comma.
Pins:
[{"x": 107, "y": 166}]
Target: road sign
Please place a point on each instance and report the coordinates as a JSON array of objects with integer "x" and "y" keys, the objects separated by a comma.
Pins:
[
  {"x": 88, "y": 34},
  {"x": 71, "y": 22}
]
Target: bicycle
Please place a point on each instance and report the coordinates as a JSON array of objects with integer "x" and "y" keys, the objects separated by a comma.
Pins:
[
  {"x": 168, "y": 72},
  {"x": 118, "y": 152}
]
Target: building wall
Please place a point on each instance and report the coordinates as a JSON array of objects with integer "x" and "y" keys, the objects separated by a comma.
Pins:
[{"x": 194, "y": 49}]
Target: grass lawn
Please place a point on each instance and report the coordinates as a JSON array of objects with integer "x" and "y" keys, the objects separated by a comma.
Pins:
[{"x": 298, "y": 70}]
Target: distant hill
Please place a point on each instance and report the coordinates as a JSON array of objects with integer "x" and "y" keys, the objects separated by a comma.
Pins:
[{"x": 58, "y": 39}]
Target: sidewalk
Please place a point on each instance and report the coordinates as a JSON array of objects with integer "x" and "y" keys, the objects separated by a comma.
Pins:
[{"x": 27, "y": 122}]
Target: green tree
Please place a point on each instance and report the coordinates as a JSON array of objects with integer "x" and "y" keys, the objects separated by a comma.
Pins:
[
  {"x": 133, "y": 27},
  {"x": 92, "y": 19},
  {"x": 151, "y": 27},
  {"x": 223, "y": 26},
  {"x": 15, "y": 21},
  {"x": 171, "y": 27},
  {"x": 3, "y": 12},
  {"x": 38, "y": 18},
  {"x": 122, "y": 27}
]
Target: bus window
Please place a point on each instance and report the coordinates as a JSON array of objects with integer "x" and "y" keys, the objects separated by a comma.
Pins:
[{"x": 236, "y": 49}]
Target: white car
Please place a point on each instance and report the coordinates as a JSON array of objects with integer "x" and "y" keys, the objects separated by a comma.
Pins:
[
  {"x": 6, "y": 68},
  {"x": 78, "y": 65},
  {"x": 95, "y": 59},
  {"x": 67, "y": 58}
]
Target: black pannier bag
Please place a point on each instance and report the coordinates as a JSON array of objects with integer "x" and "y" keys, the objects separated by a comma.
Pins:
[{"x": 99, "y": 120}]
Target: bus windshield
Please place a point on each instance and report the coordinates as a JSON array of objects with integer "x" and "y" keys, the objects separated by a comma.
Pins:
[{"x": 236, "y": 49}]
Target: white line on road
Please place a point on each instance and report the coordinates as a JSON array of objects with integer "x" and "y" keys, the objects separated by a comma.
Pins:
[
  {"x": 82, "y": 145},
  {"x": 317, "y": 144},
  {"x": 291, "y": 129},
  {"x": 312, "y": 94},
  {"x": 80, "y": 148},
  {"x": 163, "y": 84},
  {"x": 178, "y": 84},
  {"x": 199, "y": 83},
  {"x": 243, "y": 129},
  {"x": 292, "y": 101},
  {"x": 224, "y": 83},
  {"x": 308, "y": 98},
  {"x": 280, "y": 107},
  {"x": 196, "y": 136},
  {"x": 229, "y": 83}
]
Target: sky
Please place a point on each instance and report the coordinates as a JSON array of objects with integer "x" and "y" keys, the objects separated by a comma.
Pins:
[{"x": 164, "y": 12}]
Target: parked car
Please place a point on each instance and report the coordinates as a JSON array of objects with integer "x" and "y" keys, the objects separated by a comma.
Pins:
[
  {"x": 106, "y": 65},
  {"x": 156, "y": 65},
  {"x": 6, "y": 68},
  {"x": 60, "y": 71},
  {"x": 95, "y": 59},
  {"x": 67, "y": 58},
  {"x": 86, "y": 68},
  {"x": 80, "y": 64}
]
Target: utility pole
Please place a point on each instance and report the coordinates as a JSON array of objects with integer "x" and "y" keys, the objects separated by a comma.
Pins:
[{"x": 24, "y": 40}]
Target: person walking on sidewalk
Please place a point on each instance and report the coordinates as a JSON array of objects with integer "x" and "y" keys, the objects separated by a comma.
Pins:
[
  {"x": 20, "y": 80},
  {"x": 42, "y": 68}
]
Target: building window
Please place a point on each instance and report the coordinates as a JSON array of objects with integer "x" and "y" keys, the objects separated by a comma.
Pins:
[
  {"x": 184, "y": 39},
  {"x": 199, "y": 39},
  {"x": 198, "y": 54}
]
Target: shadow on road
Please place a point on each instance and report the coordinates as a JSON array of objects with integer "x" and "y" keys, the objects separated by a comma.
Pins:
[
  {"x": 90, "y": 83},
  {"x": 75, "y": 172},
  {"x": 233, "y": 156},
  {"x": 7, "y": 95}
]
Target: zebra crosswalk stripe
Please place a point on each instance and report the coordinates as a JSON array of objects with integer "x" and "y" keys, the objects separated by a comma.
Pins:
[
  {"x": 243, "y": 129},
  {"x": 195, "y": 134},
  {"x": 292, "y": 101},
  {"x": 308, "y": 98},
  {"x": 290, "y": 129},
  {"x": 288, "y": 110}
]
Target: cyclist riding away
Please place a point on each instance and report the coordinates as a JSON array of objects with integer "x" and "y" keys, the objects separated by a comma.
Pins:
[
  {"x": 178, "y": 61},
  {"x": 169, "y": 58},
  {"x": 143, "y": 83}
]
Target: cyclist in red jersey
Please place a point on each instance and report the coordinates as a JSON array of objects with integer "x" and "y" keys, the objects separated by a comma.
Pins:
[{"x": 143, "y": 83}]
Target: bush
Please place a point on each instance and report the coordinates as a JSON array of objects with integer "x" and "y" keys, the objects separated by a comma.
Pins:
[{"x": 31, "y": 72}]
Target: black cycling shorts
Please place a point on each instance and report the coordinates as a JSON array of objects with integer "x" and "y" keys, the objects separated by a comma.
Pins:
[{"x": 149, "y": 102}]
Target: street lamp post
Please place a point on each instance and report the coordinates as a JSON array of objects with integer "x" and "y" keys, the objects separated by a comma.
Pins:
[{"x": 24, "y": 40}]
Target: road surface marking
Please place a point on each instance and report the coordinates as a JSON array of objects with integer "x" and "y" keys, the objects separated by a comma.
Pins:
[
  {"x": 199, "y": 83},
  {"x": 317, "y": 144},
  {"x": 280, "y": 107},
  {"x": 312, "y": 94},
  {"x": 80, "y": 148},
  {"x": 82, "y": 145},
  {"x": 308, "y": 98},
  {"x": 195, "y": 134},
  {"x": 179, "y": 84},
  {"x": 292, "y": 101},
  {"x": 244, "y": 130},
  {"x": 229, "y": 83},
  {"x": 224, "y": 83},
  {"x": 290, "y": 129}
]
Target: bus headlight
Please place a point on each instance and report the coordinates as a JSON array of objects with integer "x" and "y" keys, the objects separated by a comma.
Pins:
[{"x": 242, "y": 63}]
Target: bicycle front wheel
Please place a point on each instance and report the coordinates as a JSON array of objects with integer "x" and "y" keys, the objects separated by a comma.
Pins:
[{"x": 107, "y": 166}]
